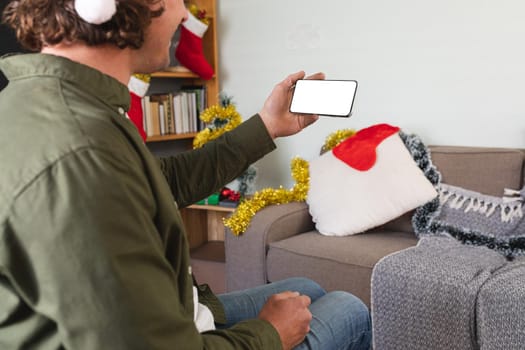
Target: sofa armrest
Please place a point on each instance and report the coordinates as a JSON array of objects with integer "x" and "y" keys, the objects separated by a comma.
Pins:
[{"x": 246, "y": 254}]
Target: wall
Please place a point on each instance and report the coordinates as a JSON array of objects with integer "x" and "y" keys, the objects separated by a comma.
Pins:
[{"x": 451, "y": 71}]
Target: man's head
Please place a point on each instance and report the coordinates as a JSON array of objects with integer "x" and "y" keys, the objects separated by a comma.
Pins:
[{"x": 145, "y": 26}]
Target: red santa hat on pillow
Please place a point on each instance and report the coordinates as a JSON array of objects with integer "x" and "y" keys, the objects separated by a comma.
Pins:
[{"x": 96, "y": 11}]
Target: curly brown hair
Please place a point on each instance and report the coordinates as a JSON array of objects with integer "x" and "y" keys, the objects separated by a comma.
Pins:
[{"x": 40, "y": 23}]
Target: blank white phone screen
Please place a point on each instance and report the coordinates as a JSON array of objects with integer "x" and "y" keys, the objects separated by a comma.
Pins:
[{"x": 324, "y": 97}]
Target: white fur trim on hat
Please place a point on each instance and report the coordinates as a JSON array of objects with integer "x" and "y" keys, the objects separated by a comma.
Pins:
[{"x": 96, "y": 11}]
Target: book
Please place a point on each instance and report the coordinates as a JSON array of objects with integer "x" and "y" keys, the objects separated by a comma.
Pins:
[
  {"x": 228, "y": 203},
  {"x": 200, "y": 100},
  {"x": 169, "y": 113},
  {"x": 147, "y": 116},
  {"x": 177, "y": 112},
  {"x": 155, "y": 124},
  {"x": 185, "y": 113},
  {"x": 162, "y": 119}
]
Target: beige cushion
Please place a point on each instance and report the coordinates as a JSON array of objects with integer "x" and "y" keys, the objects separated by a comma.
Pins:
[
  {"x": 338, "y": 263},
  {"x": 485, "y": 170}
]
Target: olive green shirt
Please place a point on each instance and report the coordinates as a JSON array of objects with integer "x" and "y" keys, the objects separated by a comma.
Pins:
[{"x": 93, "y": 253}]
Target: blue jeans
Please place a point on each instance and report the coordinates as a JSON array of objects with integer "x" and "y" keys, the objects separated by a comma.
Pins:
[{"x": 340, "y": 320}]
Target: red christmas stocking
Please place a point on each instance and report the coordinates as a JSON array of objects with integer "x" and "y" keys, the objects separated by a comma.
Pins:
[
  {"x": 189, "y": 50},
  {"x": 137, "y": 90}
]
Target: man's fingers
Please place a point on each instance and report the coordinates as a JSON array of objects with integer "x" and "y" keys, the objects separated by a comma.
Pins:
[
  {"x": 285, "y": 295},
  {"x": 305, "y": 300},
  {"x": 306, "y": 120},
  {"x": 316, "y": 76},
  {"x": 290, "y": 80}
]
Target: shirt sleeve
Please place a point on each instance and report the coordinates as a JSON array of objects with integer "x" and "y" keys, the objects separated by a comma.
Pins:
[
  {"x": 84, "y": 253},
  {"x": 196, "y": 174}
]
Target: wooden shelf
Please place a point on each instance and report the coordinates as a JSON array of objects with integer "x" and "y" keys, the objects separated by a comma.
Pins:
[
  {"x": 171, "y": 137},
  {"x": 204, "y": 223},
  {"x": 212, "y": 207},
  {"x": 177, "y": 75}
]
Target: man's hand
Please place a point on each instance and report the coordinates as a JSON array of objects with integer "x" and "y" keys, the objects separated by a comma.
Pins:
[
  {"x": 288, "y": 313},
  {"x": 276, "y": 113}
]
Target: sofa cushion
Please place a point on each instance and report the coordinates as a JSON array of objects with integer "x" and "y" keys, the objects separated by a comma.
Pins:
[
  {"x": 365, "y": 181},
  {"x": 485, "y": 170},
  {"x": 337, "y": 263}
]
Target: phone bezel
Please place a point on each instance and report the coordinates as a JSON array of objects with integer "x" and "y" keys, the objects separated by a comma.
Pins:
[{"x": 307, "y": 81}]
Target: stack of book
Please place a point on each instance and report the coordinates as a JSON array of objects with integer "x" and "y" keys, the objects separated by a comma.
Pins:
[{"x": 174, "y": 113}]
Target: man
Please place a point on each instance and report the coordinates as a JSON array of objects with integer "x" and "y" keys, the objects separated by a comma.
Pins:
[{"x": 93, "y": 253}]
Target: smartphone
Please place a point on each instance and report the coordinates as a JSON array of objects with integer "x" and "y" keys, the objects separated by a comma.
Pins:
[{"x": 324, "y": 97}]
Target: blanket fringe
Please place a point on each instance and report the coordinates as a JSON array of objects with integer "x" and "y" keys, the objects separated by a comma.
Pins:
[{"x": 510, "y": 208}]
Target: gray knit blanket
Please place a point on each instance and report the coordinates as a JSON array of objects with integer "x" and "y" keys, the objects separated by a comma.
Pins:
[{"x": 471, "y": 217}]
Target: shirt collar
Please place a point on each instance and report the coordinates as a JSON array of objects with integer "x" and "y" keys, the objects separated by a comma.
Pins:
[{"x": 107, "y": 89}]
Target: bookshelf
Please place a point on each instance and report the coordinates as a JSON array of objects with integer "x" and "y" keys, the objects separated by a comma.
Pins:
[
  {"x": 174, "y": 77},
  {"x": 203, "y": 223}
]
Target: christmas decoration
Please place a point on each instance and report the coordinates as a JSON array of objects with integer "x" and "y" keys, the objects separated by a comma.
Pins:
[
  {"x": 229, "y": 197},
  {"x": 219, "y": 119},
  {"x": 239, "y": 221},
  {"x": 336, "y": 138},
  {"x": 200, "y": 14},
  {"x": 229, "y": 194},
  {"x": 360, "y": 151},
  {"x": 212, "y": 199},
  {"x": 189, "y": 51},
  {"x": 138, "y": 86},
  {"x": 96, "y": 11},
  {"x": 247, "y": 181}
]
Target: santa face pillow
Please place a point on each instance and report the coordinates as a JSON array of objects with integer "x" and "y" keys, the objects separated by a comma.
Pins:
[{"x": 365, "y": 181}]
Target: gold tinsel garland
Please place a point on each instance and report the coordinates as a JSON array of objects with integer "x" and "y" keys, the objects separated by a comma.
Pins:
[
  {"x": 239, "y": 221},
  {"x": 217, "y": 112},
  {"x": 144, "y": 77},
  {"x": 336, "y": 138},
  {"x": 200, "y": 14}
]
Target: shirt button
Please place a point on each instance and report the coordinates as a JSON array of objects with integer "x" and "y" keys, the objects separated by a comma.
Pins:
[
  {"x": 121, "y": 110},
  {"x": 189, "y": 270}
]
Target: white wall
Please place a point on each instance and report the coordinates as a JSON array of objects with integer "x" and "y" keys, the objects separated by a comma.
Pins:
[{"x": 451, "y": 71}]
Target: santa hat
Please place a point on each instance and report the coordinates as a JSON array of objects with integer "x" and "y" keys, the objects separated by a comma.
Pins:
[{"x": 96, "y": 11}]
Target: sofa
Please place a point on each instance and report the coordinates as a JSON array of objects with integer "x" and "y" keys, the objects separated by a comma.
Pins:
[{"x": 282, "y": 240}]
